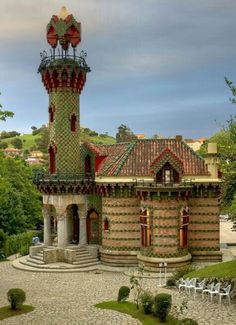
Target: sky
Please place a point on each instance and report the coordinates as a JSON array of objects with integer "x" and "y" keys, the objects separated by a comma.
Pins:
[{"x": 157, "y": 66}]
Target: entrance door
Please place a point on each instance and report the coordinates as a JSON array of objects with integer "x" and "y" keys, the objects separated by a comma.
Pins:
[
  {"x": 93, "y": 228},
  {"x": 75, "y": 223}
]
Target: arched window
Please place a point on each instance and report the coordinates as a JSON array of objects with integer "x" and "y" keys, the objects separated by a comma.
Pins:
[
  {"x": 52, "y": 160},
  {"x": 51, "y": 114},
  {"x": 87, "y": 165},
  {"x": 184, "y": 227},
  {"x": 73, "y": 123},
  {"x": 106, "y": 225},
  {"x": 145, "y": 228}
]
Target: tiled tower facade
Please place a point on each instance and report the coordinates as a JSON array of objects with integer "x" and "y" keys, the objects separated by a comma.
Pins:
[{"x": 64, "y": 76}]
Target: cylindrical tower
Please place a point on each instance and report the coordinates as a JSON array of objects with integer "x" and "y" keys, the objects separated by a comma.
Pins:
[{"x": 64, "y": 75}]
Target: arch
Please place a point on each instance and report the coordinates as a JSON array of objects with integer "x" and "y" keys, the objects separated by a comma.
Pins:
[
  {"x": 51, "y": 111},
  {"x": 73, "y": 223},
  {"x": 93, "y": 227}
]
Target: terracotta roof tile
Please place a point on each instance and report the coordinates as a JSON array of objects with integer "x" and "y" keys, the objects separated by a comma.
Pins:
[{"x": 135, "y": 158}]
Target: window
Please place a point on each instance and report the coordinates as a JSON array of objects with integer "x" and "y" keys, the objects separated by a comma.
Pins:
[
  {"x": 145, "y": 228},
  {"x": 52, "y": 160},
  {"x": 184, "y": 227},
  {"x": 167, "y": 176},
  {"x": 106, "y": 225},
  {"x": 51, "y": 114},
  {"x": 73, "y": 123},
  {"x": 87, "y": 165}
]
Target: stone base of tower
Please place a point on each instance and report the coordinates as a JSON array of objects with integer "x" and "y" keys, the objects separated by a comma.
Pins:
[
  {"x": 152, "y": 264},
  {"x": 209, "y": 256},
  {"x": 118, "y": 258}
]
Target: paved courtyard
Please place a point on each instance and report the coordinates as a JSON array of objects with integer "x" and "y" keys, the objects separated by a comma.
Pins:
[{"x": 69, "y": 299}]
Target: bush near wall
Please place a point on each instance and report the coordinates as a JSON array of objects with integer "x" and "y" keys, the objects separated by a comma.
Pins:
[{"x": 19, "y": 243}]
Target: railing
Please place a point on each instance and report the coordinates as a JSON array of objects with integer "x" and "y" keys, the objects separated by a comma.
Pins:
[
  {"x": 144, "y": 183},
  {"x": 63, "y": 57},
  {"x": 40, "y": 178}
]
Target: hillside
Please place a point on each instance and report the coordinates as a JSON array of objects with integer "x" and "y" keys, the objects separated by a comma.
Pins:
[{"x": 29, "y": 139}]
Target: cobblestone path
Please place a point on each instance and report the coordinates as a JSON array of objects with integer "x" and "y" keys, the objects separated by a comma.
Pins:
[{"x": 69, "y": 298}]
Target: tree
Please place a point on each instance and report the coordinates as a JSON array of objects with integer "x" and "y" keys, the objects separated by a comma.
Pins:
[
  {"x": 5, "y": 114},
  {"x": 17, "y": 143},
  {"x": 43, "y": 141},
  {"x": 20, "y": 207},
  {"x": 125, "y": 134},
  {"x": 3, "y": 145}
]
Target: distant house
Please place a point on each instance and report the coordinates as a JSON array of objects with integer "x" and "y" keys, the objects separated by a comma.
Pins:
[
  {"x": 12, "y": 152},
  {"x": 35, "y": 158},
  {"x": 195, "y": 144},
  {"x": 140, "y": 136}
]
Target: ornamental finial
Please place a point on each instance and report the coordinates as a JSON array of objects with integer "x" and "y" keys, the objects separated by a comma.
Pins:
[{"x": 63, "y": 13}]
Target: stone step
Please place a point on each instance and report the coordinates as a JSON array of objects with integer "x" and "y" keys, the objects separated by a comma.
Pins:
[
  {"x": 35, "y": 261},
  {"x": 83, "y": 260},
  {"x": 85, "y": 265},
  {"x": 36, "y": 257},
  {"x": 82, "y": 254}
]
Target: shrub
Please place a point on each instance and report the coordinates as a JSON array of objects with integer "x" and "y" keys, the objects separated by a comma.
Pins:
[
  {"x": 182, "y": 271},
  {"x": 188, "y": 321},
  {"x": 161, "y": 306},
  {"x": 16, "y": 297},
  {"x": 18, "y": 243},
  {"x": 171, "y": 282},
  {"x": 147, "y": 302},
  {"x": 123, "y": 293}
]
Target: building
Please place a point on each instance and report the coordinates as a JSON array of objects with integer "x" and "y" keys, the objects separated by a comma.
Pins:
[
  {"x": 144, "y": 202},
  {"x": 195, "y": 144},
  {"x": 12, "y": 152}
]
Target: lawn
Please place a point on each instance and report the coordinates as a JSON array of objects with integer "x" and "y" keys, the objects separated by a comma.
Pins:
[
  {"x": 130, "y": 309},
  {"x": 225, "y": 270},
  {"x": 27, "y": 139},
  {"x": 6, "y": 311}
]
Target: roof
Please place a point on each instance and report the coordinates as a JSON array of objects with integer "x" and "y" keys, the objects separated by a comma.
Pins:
[{"x": 136, "y": 158}]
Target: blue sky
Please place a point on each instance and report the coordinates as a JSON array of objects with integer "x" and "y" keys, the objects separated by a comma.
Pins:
[{"x": 158, "y": 66}]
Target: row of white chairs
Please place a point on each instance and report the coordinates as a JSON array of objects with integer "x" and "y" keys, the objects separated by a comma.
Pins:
[{"x": 212, "y": 289}]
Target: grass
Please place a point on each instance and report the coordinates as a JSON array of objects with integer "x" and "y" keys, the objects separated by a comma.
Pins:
[
  {"x": 6, "y": 311},
  {"x": 225, "y": 270},
  {"x": 27, "y": 139},
  {"x": 131, "y": 309}
]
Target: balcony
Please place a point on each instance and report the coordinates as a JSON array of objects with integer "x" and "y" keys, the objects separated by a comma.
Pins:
[{"x": 147, "y": 185}]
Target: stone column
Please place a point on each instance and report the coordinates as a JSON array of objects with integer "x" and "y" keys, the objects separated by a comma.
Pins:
[
  {"x": 82, "y": 230},
  {"x": 62, "y": 230},
  {"x": 47, "y": 226}
]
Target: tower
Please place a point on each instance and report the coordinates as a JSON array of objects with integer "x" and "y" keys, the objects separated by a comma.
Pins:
[{"x": 64, "y": 75}]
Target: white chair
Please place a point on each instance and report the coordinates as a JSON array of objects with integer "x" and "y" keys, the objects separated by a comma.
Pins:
[
  {"x": 190, "y": 285},
  {"x": 226, "y": 293},
  {"x": 215, "y": 290},
  {"x": 208, "y": 289},
  {"x": 182, "y": 283},
  {"x": 199, "y": 287}
]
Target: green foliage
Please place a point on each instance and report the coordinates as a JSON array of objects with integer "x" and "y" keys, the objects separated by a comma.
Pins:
[
  {"x": 188, "y": 321},
  {"x": 16, "y": 297},
  {"x": 147, "y": 302},
  {"x": 9, "y": 134},
  {"x": 130, "y": 309},
  {"x": 18, "y": 243},
  {"x": 123, "y": 293},
  {"x": 181, "y": 272},
  {"x": 171, "y": 282},
  {"x": 17, "y": 143},
  {"x": 136, "y": 282},
  {"x": 5, "y": 114},
  {"x": 20, "y": 207},
  {"x": 226, "y": 270},
  {"x": 162, "y": 305},
  {"x": 125, "y": 134},
  {"x": 3, "y": 145},
  {"x": 43, "y": 140},
  {"x": 6, "y": 311}
]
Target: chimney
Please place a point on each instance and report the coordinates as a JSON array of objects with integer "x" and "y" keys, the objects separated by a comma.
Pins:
[{"x": 178, "y": 138}]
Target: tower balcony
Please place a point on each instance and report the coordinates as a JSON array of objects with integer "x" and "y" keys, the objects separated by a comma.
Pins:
[{"x": 63, "y": 182}]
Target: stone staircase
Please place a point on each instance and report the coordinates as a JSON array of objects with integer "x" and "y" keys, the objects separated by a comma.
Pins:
[
  {"x": 84, "y": 258},
  {"x": 83, "y": 261}
]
